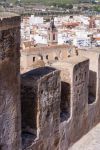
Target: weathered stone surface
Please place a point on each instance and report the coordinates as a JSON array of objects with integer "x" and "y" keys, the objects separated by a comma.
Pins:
[
  {"x": 82, "y": 115},
  {"x": 68, "y": 128},
  {"x": 10, "y": 83},
  {"x": 41, "y": 107},
  {"x": 94, "y": 67},
  {"x": 55, "y": 113},
  {"x": 75, "y": 73}
]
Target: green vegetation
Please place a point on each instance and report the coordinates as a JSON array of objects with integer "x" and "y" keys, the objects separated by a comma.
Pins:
[
  {"x": 97, "y": 8},
  {"x": 60, "y": 3},
  {"x": 51, "y": 2}
]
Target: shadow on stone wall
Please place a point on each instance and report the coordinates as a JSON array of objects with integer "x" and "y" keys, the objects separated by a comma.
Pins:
[
  {"x": 65, "y": 101},
  {"x": 28, "y": 111},
  {"x": 92, "y": 87}
]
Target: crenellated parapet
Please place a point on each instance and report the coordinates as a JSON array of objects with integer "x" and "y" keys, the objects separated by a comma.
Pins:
[
  {"x": 55, "y": 105},
  {"x": 40, "y": 98},
  {"x": 79, "y": 102}
]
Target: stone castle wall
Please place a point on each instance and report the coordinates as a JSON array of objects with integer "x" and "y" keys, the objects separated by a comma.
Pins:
[
  {"x": 79, "y": 110},
  {"x": 10, "y": 127},
  {"x": 34, "y": 57},
  {"x": 59, "y": 103},
  {"x": 79, "y": 104},
  {"x": 40, "y": 113}
]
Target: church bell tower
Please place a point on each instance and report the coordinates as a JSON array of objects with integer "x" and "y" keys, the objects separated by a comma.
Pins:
[{"x": 52, "y": 33}]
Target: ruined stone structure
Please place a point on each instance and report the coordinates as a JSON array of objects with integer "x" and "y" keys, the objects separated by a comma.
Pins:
[
  {"x": 33, "y": 57},
  {"x": 79, "y": 104},
  {"x": 59, "y": 103},
  {"x": 40, "y": 121}
]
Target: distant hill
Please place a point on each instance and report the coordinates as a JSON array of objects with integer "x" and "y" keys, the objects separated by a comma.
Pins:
[
  {"x": 47, "y": 1},
  {"x": 51, "y": 1}
]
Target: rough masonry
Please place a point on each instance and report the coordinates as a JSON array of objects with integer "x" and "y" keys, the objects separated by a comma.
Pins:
[
  {"x": 59, "y": 103},
  {"x": 41, "y": 108},
  {"x": 10, "y": 117}
]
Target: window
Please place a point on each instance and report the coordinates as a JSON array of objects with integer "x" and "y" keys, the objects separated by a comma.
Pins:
[
  {"x": 56, "y": 58},
  {"x": 41, "y": 57},
  {"x": 54, "y": 37},
  {"x": 33, "y": 58},
  {"x": 46, "y": 56}
]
